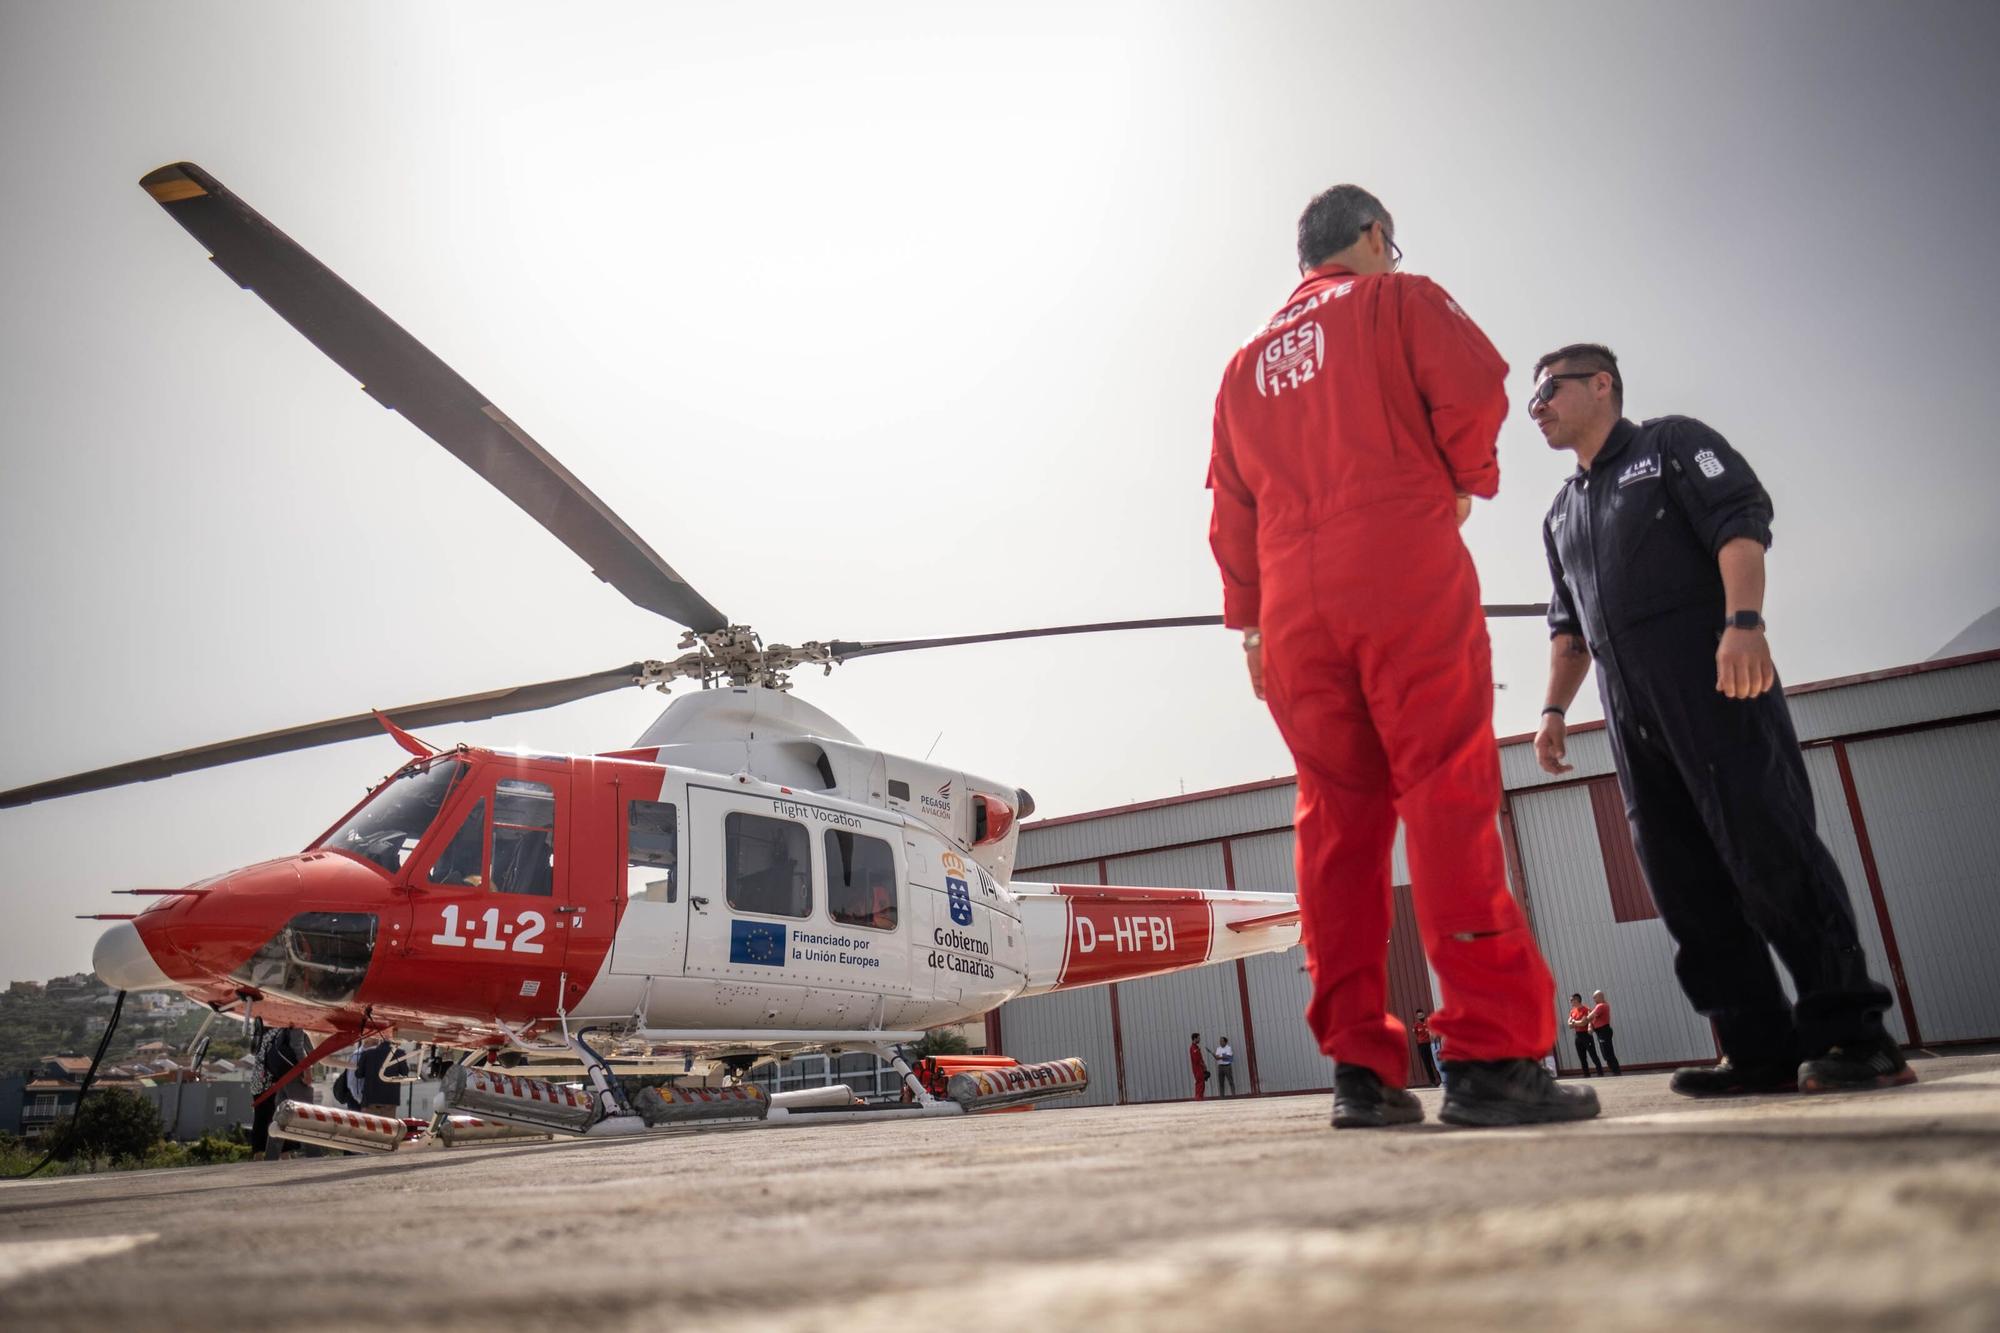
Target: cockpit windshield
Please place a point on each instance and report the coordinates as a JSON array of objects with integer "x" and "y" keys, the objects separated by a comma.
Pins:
[{"x": 390, "y": 824}]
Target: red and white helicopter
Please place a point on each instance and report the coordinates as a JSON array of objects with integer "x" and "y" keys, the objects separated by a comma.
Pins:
[{"x": 747, "y": 880}]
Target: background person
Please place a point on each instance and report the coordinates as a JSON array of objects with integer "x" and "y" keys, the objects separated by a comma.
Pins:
[
  {"x": 1579, "y": 1027},
  {"x": 1420, "y": 1031},
  {"x": 372, "y": 1092},
  {"x": 1656, "y": 546},
  {"x": 1600, "y": 1030},
  {"x": 275, "y": 1053},
  {"x": 1348, "y": 433},
  {"x": 1225, "y": 1069},
  {"x": 1199, "y": 1066}
]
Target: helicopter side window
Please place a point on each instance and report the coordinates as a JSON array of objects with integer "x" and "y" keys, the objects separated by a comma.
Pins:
[
  {"x": 651, "y": 851},
  {"x": 524, "y": 837},
  {"x": 768, "y": 864},
  {"x": 464, "y": 858},
  {"x": 860, "y": 881}
]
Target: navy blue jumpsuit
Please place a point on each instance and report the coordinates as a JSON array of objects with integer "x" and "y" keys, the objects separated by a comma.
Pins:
[{"x": 1715, "y": 788}]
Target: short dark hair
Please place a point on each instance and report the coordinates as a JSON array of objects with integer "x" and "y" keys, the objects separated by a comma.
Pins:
[
  {"x": 1592, "y": 357},
  {"x": 1335, "y": 220}
]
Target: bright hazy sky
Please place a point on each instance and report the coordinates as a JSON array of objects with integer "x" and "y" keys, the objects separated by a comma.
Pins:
[{"x": 884, "y": 321}]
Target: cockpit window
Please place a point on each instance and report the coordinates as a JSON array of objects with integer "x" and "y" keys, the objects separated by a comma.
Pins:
[
  {"x": 319, "y": 956},
  {"x": 387, "y": 828}
]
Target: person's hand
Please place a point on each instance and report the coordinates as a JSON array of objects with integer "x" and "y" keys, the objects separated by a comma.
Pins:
[
  {"x": 1552, "y": 744},
  {"x": 1253, "y": 658},
  {"x": 1464, "y": 508},
  {"x": 1743, "y": 667}
]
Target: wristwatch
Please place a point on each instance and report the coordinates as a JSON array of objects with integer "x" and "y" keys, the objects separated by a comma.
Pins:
[
  {"x": 1744, "y": 620},
  {"x": 1252, "y": 638}
]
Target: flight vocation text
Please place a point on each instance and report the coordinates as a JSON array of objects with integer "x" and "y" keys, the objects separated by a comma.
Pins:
[
  {"x": 793, "y": 810},
  {"x": 951, "y": 951},
  {"x": 1126, "y": 934},
  {"x": 811, "y": 948}
]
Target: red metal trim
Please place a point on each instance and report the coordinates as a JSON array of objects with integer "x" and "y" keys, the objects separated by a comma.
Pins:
[
  {"x": 1906, "y": 729},
  {"x": 1263, "y": 785},
  {"x": 1025, "y": 871},
  {"x": 1117, "y": 1043},
  {"x": 1243, "y": 984},
  {"x": 1874, "y": 877},
  {"x": 1510, "y": 848},
  {"x": 1631, "y": 899},
  {"x": 1117, "y": 1022}
]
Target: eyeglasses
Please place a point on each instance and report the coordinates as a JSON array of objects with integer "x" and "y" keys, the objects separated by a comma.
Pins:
[
  {"x": 1395, "y": 251},
  {"x": 1551, "y": 386}
]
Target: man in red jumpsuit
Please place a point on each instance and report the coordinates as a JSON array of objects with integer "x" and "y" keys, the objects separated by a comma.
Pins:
[{"x": 1349, "y": 433}]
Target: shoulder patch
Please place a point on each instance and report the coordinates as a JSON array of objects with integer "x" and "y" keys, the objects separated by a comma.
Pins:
[{"x": 1710, "y": 465}]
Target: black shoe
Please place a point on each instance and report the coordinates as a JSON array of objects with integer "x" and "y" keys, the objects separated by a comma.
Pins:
[
  {"x": 1510, "y": 1092},
  {"x": 1727, "y": 1079},
  {"x": 1362, "y": 1101},
  {"x": 1856, "y": 1069}
]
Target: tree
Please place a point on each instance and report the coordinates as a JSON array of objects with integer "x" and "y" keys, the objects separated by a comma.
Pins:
[
  {"x": 111, "y": 1123},
  {"x": 938, "y": 1041}
]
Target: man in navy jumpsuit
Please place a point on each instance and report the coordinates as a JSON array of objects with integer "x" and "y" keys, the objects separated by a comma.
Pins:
[{"x": 1656, "y": 545}]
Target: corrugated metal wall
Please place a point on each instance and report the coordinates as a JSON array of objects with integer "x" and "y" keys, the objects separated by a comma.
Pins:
[
  {"x": 1930, "y": 802},
  {"x": 1588, "y": 948}
]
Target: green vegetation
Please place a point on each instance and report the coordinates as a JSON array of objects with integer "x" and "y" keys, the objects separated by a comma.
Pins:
[
  {"x": 938, "y": 1041},
  {"x": 35, "y": 1025},
  {"x": 117, "y": 1132}
]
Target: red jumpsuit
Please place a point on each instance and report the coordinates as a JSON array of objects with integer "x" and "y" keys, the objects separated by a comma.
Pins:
[{"x": 1343, "y": 430}]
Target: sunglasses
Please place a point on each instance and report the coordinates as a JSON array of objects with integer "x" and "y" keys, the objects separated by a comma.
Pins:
[{"x": 1546, "y": 391}]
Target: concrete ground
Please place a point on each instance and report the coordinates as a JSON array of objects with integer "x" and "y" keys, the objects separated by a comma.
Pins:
[{"x": 1877, "y": 1210}]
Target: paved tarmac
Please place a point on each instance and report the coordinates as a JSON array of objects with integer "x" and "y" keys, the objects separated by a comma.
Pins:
[{"x": 1865, "y": 1211}]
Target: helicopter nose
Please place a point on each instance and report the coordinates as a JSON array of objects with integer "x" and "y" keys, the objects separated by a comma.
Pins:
[{"x": 122, "y": 960}]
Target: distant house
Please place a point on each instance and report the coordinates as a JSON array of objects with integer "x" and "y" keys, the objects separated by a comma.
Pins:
[{"x": 45, "y": 1101}]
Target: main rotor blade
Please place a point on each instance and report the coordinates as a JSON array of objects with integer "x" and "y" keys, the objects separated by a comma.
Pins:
[
  {"x": 844, "y": 650},
  {"x": 403, "y": 375},
  {"x": 465, "y": 708}
]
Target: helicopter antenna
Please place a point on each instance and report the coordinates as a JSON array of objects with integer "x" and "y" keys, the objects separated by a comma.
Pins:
[{"x": 934, "y": 745}]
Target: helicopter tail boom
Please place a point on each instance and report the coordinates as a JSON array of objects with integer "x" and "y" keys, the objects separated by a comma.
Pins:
[{"x": 1091, "y": 934}]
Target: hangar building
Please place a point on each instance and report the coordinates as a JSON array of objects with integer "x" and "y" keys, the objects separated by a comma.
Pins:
[{"x": 1905, "y": 770}]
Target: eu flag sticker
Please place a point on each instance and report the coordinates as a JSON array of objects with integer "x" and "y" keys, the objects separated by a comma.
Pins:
[
  {"x": 761, "y": 942},
  {"x": 960, "y": 899}
]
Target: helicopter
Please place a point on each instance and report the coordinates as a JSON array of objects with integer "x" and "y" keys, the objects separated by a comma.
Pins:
[{"x": 746, "y": 880}]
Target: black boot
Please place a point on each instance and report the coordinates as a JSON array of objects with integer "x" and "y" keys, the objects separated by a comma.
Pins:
[
  {"x": 1857, "y": 1068},
  {"x": 1362, "y": 1101},
  {"x": 1728, "y": 1079},
  {"x": 1510, "y": 1092}
]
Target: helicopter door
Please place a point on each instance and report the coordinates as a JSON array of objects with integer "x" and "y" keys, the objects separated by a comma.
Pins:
[
  {"x": 493, "y": 910},
  {"x": 652, "y": 937},
  {"x": 799, "y": 896}
]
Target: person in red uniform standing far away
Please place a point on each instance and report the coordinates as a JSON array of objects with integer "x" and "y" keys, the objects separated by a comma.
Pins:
[
  {"x": 1198, "y": 1066},
  {"x": 1349, "y": 433}
]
